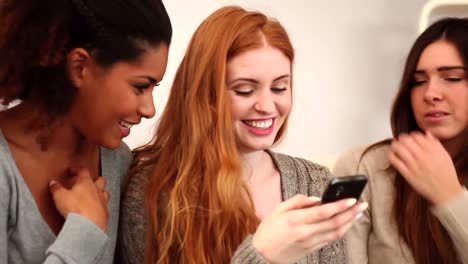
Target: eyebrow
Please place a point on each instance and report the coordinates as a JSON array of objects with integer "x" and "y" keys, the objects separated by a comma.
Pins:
[
  {"x": 255, "y": 81},
  {"x": 443, "y": 68},
  {"x": 151, "y": 79}
]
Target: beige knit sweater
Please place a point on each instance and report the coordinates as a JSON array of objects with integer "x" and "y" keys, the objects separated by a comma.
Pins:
[
  {"x": 374, "y": 239},
  {"x": 298, "y": 176}
]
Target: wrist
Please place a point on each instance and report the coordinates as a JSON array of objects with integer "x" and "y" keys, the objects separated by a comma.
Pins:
[
  {"x": 100, "y": 223},
  {"x": 446, "y": 196}
]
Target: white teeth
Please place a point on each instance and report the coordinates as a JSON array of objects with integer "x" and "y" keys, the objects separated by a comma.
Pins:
[
  {"x": 125, "y": 124},
  {"x": 260, "y": 124}
]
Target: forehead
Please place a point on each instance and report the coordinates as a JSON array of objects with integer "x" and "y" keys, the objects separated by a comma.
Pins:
[
  {"x": 263, "y": 62},
  {"x": 152, "y": 62},
  {"x": 440, "y": 53}
]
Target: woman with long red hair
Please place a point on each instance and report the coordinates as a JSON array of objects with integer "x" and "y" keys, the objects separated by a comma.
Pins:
[
  {"x": 417, "y": 181},
  {"x": 208, "y": 189}
]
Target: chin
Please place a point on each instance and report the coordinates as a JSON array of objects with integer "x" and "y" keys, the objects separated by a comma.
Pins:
[
  {"x": 111, "y": 144},
  {"x": 259, "y": 146}
]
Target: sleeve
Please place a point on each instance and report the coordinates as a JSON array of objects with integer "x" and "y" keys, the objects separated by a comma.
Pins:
[
  {"x": 356, "y": 239},
  {"x": 79, "y": 241},
  {"x": 246, "y": 253},
  {"x": 4, "y": 210},
  {"x": 333, "y": 253},
  {"x": 454, "y": 217},
  {"x": 132, "y": 230}
]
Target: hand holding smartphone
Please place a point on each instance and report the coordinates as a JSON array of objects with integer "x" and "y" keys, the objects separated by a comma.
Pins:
[{"x": 344, "y": 187}]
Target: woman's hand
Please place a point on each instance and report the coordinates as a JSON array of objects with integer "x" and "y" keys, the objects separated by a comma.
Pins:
[
  {"x": 300, "y": 226},
  {"x": 86, "y": 197},
  {"x": 425, "y": 164}
]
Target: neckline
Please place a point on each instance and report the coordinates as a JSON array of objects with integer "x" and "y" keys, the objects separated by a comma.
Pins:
[
  {"x": 285, "y": 176},
  {"x": 45, "y": 229}
]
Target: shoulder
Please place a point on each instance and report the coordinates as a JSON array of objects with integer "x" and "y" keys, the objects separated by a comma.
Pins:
[
  {"x": 363, "y": 159},
  {"x": 118, "y": 160},
  {"x": 124, "y": 155},
  {"x": 300, "y": 175},
  {"x": 133, "y": 219},
  {"x": 7, "y": 172},
  {"x": 298, "y": 165}
]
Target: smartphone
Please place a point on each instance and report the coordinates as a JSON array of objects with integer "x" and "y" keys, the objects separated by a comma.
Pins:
[{"x": 344, "y": 187}]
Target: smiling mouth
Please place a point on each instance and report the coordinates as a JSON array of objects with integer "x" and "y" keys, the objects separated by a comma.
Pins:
[
  {"x": 125, "y": 124},
  {"x": 264, "y": 124}
]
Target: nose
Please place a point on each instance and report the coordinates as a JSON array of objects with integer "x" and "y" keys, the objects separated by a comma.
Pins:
[
  {"x": 265, "y": 103},
  {"x": 433, "y": 91},
  {"x": 146, "y": 107}
]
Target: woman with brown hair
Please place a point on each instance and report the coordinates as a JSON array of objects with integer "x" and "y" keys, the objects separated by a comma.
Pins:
[
  {"x": 417, "y": 181},
  {"x": 208, "y": 189}
]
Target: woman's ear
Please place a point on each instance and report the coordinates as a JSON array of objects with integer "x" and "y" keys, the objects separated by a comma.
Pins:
[{"x": 78, "y": 66}]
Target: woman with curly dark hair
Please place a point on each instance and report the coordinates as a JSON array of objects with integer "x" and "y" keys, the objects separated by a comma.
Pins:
[{"x": 83, "y": 72}]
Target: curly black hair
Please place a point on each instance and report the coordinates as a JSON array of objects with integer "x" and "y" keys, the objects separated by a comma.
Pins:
[{"x": 35, "y": 37}]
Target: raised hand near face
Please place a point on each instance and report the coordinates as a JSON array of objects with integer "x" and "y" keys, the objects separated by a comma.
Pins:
[{"x": 426, "y": 166}]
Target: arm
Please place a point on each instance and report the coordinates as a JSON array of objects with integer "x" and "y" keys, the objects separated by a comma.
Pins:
[
  {"x": 454, "y": 217},
  {"x": 79, "y": 241},
  {"x": 356, "y": 239},
  {"x": 83, "y": 237},
  {"x": 247, "y": 254}
]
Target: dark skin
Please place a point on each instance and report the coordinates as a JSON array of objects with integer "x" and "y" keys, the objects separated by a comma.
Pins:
[
  {"x": 39, "y": 167},
  {"x": 106, "y": 97}
]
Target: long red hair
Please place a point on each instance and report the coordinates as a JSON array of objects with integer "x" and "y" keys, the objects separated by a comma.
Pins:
[{"x": 199, "y": 206}]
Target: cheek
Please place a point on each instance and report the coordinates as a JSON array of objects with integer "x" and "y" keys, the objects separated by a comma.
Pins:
[
  {"x": 239, "y": 108},
  {"x": 284, "y": 105},
  {"x": 415, "y": 98}
]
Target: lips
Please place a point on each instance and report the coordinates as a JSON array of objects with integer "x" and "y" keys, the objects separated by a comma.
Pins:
[
  {"x": 436, "y": 114},
  {"x": 260, "y": 127},
  {"x": 125, "y": 127}
]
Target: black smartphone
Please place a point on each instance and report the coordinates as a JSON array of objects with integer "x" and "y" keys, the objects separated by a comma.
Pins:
[{"x": 344, "y": 187}]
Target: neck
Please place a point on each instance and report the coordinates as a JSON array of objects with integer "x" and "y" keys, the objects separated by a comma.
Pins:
[
  {"x": 255, "y": 164},
  {"x": 21, "y": 127}
]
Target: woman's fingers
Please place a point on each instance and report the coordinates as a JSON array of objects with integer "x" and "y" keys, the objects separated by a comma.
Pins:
[
  {"x": 319, "y": 213},
  {"x": 339, "y": 220},
  {"x": 100, "y": 183},
  {"x": 297, "y": 202}
]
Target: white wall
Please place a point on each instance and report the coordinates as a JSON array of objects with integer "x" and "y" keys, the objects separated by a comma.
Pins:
[{"x": 350, "y": 55}]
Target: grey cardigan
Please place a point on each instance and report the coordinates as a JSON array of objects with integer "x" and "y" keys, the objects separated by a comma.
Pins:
[
  {"x": 26, "y": 238},
  {"x": 298, "y": 176}
]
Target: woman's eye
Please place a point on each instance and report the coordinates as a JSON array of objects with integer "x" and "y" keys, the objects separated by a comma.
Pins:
[
  {"x": 141, "y": 87},
  {"x": 243, "y": 92},
  {"x": 278, "y": 89},
  {"x": 418, "y": 82},
  {"x": 453, "y": 79}
]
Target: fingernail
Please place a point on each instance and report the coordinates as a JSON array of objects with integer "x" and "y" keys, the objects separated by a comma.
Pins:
[
  {"x": 363, "y": 206},
  {"x": 358, "y": 216},
  {"x": 52, "y": 182},
  {"x": 351, "y": 202},
  {"x": 314, "y": 199}
]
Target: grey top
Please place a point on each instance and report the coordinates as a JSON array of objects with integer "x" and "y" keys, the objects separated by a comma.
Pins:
[
  {"x": 25, "y": 237},
  {"x": 298, "y": 176}
]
